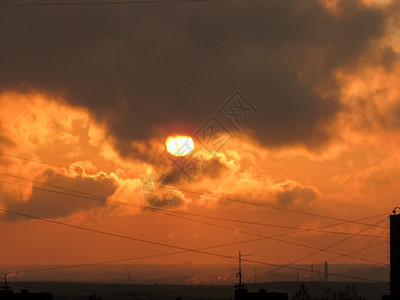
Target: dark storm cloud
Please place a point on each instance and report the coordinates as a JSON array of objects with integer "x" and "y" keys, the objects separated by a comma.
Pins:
[
  {"x": 144, "y": 67},
  {"x": 188, "y": 169},
  {"x": 47, "y": 204},
  {"x": 213, "y": 168},
  {"x": 296, "y": 195}
]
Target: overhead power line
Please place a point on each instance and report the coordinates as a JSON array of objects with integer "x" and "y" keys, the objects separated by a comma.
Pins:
[
  {"x": 369, "y": 245},
  {"x": 322, "y": 250},
  {"x": 103, "y": 199},
  {"x": 131, "y": 259},
  {"x": 43, "y": 162},
  {"x": 275, "y": 207},
  {"x": 274, "y": 237},
  {"x": 76, "y": 193},
  {"x": 258, "y": 204},
  {"x": 167, "y": 245},
  {"x": 301, "y": 230},
  {"x": 176, "y": 213},
  {"x": 349, "y": 254},
  {"x": 79, "y": 194}
]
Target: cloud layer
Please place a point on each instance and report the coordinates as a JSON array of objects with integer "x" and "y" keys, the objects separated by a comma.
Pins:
[{"x": 142, "y": 68}]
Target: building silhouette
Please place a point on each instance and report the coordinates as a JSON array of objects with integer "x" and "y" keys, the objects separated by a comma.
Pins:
[
  {"x": 24, "y": 294},
  {"x": 394, "y": 257},
  {"x": 262, "y": 294},
  {"x": 7, "y": 293}
]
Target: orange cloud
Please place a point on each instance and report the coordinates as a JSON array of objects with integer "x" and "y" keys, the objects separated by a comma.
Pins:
[{"x": 334, "y": 181}]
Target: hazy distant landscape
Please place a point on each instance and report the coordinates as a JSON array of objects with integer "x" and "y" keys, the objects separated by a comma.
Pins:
[
  {"x": 189, "y": 273},
  {"x": 191, "y": 281}
]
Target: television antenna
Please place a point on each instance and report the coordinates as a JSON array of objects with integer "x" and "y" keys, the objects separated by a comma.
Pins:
[
  {"x": 239, "y": 274},
  {"x": 5, "y": 281}
]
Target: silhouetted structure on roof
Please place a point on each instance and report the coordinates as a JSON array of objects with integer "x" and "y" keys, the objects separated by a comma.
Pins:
[
  {"x": 241, "y": 292},
  {"x": 394, "y": 257}
]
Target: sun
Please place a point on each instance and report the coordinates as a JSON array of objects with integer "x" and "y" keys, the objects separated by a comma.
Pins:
[{"x": 179, "y": 145}]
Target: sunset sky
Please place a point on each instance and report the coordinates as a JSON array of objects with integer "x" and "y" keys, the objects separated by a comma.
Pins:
[{"x": 305, "y": 97}]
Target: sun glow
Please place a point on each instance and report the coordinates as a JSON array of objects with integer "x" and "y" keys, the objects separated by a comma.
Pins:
[{"x": 179, "y": 145}]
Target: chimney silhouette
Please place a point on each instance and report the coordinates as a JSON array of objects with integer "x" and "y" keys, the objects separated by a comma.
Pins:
[
  {"x": 326, "y": 271},
  {"x": 395, "y": 256}
]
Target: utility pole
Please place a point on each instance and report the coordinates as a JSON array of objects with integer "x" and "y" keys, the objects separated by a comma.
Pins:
[
  {"x": 312, "y": 273},
  {"x": 326, "y": 271},
  {"x": 240, "y": 271},
  {"x": 239, "y": 274},
  {"x": 5, "y": 281}
]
